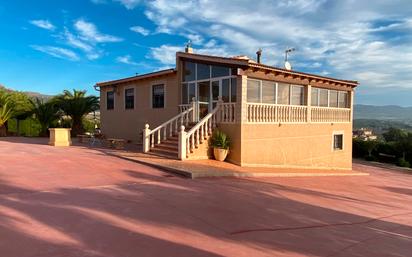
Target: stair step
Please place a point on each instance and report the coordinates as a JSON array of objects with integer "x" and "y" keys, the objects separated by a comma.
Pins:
[
  {"x": 165, "y": 151},
  {"x": 163, "y": 155},
  {"x": 167, "y": 146}
]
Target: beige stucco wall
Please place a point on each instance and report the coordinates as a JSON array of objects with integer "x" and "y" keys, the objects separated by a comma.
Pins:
[
  {"x": 295, "y": 145},
  {"x": 128, "y": 124}
]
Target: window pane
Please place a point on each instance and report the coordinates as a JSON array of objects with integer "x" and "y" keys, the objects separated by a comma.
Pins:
[
  {"x": 323, "y": 97},
  {"x": 268, "y": 92},
  {"x": 225, "y": 90},
  {"x": 158, "y": 96},
  {"x": 343, "y": 100},
  {"x": 338, "y": 142},
  {"x": 333, "y": 98},
  {"x": 203, "y": 71},
  {"x": 314, "y": 97},
  {"x": 298, "y": 95},
  {"x": 204, "y": 91},
  {"x": 233, "y": 90},
  {"x": 283, "y": 93},
  {"x": 220, "y": 71},
  {"x": 188, "y": 71},
  {"x": 253, "y": 91},
  {"x": 192, "y": 92},
  {"x": 215, "y": 90},
  {"x": 110, "y": 100},
  {"x": 184, "y": 94},
  {"x": 129, "y": 98}
]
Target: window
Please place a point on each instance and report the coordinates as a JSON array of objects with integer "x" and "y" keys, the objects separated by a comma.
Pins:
[
  {"x": 110, "y": 100},
  {"x": 129, "y": 98},
  {"x": 158, "y": 96},
  {"x": 185, "y": 98},
  {"x": 203, "y": 71},
  {"x": 253, "y": 91},
  {"x": 283, "y": 93},
  {"x": 343, "y": 100},
  {"x": 314, "y": 97},
  {"x": 189, "y": 69},
  {"x": 338, "y": 142},
  {"x": 268, "y": 92},
  {"x": 220, "y": 71},
  {"x": 323, "y": 97},
  {"x": 297, "y": 95},
  {"x": 333, "y": 98},
  {"x": 233, "y": 90},
  {"x": 225, "y": 90}
]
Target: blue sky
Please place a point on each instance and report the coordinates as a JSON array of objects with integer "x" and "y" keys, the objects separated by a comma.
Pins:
[{"x": 48, "y": 46}]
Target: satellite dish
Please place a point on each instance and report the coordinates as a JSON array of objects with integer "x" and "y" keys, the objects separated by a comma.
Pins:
[{"x": 288, "y": 66}]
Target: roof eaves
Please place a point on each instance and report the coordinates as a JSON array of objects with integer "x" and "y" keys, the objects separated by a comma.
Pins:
[{"x": 138, "y": 77}]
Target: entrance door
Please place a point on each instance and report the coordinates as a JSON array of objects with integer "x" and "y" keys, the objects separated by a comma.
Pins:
[{"x": 203, "y": 90}]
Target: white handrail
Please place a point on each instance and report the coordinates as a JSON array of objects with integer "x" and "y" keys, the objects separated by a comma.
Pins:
[
  {"x": 196, "y": 135},
  {"x": 150, "y": 137}
]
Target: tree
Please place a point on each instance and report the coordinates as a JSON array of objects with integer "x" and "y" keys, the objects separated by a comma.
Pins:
[
  {"x": 46, "y": 113},
  {"x": 6, "y": 111},
  {"x": 76, "y": 105},
  {"x": 370, "y": 146},
  {"x": 21, "y": 106},
  {"x": 394, "y": 135}
]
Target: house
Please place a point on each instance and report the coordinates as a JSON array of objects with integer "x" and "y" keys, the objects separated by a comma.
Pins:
[
  {"x": 274, "y": 117},
  {"x": 364, "y": 134}
]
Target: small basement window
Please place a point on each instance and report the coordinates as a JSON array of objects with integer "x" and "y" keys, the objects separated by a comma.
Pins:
[{"x": 337, "y": 142}]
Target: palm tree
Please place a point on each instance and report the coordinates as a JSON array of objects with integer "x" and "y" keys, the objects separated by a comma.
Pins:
[
  {"x": 76, "y": 105},
  {"x": 6, "y": 112},
  {"x": 46, "y": 113}
]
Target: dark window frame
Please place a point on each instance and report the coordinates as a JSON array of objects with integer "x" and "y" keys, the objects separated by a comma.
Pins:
[
  {"x": 111, "y": 105},
  {"x": 127, "y": 105},
  {"x": 338, "y": 142},
  {"x": 157, "y": 102}
]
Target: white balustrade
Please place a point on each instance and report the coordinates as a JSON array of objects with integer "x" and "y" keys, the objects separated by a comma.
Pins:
[
  {"x": 274, "y": 113},
  {"x": 328, "y": 114},
  {"x": 227, "y": 112},
  {"x": 169, "y": 127}
]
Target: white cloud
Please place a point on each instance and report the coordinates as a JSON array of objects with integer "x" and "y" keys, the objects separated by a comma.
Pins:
[
  {"x": 44, "y": 24},
  {"x": 127, "y": 59},
  {"x": 129, "y": 4},
  {"x": 166, "y": 54},
  {"x": 74, "y": 41},
  {"x": 89, "y": 31},
  {"x": 341, "y": 38},
  {"x": 57, "y": 52},
  {"x": 140, "y": 30}
]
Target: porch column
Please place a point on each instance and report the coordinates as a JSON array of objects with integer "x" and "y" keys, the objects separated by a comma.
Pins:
[
  {"x": 241, "y": 106},
  {"x": 309, "y": 104},
  {"x": 195, "y": 113}
]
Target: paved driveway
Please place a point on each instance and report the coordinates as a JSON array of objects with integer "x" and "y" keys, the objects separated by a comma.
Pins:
[{"x": 80, "y": 202}]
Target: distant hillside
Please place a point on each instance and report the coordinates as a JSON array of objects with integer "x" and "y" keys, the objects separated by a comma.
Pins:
[
  {"x": 388, "y": 112},
  {"x": 31, "y": 94}
]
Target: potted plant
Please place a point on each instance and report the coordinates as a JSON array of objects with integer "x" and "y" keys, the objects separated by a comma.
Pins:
[{"x": 220, "y": 143}]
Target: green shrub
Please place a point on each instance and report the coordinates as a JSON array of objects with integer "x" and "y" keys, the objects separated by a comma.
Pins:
[
  {"x": 401, "y": 162},
  {"x": 220, "y": 140},
  {"x": 371, "y": 158}
]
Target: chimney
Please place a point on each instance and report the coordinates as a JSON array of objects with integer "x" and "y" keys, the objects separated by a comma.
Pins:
[
  {"x": 188, "y": 48},
  {"x": 258, "y": 55}
]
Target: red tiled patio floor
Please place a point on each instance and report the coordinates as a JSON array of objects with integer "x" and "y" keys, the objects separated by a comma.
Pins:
[{"x": 81, "y": 202}]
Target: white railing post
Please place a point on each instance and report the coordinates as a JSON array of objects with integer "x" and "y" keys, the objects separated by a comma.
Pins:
[
  {"x": 146, "y": 138},
  {"x": 195, "y": 117},
  {"x": 182, "y": 143}
]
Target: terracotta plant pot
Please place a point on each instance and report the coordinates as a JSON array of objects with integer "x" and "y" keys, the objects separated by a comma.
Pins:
[{"x": 220, "y": 154}]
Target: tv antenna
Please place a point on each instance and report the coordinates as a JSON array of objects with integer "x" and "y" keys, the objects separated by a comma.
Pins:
[{"x": 288, "y": 66}]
